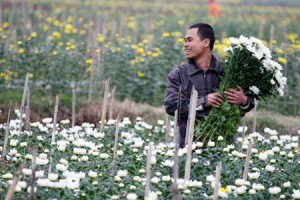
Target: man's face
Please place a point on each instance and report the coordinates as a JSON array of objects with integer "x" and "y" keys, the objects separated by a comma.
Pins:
[{"x": 193, "y": 46}]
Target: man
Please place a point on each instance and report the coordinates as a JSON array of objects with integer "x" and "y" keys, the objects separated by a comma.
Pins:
[{"x": 203, "y": 71}]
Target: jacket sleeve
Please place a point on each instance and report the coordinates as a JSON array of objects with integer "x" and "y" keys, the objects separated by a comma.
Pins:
[
  {"x": 251, "y": 104},
  {"x": 171, "y": 95}
]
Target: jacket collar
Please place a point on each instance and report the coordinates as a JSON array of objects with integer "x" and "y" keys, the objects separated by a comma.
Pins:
[{"x": 192, "y": 68}]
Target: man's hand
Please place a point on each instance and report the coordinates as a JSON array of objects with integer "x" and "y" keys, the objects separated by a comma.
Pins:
[
  {"x": 236, "y": 96},
  {"x": 214, "y": 99}
]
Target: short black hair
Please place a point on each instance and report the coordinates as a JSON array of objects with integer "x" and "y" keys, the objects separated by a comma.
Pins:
[{"x": 205, "y": 31}]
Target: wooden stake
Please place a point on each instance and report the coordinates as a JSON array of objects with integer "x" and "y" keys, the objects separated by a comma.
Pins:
[
  {"x": 167, "y": 138},
  {"x": 254, "y": 116},
  {"x": 148, "y": 171},
  {"x": 54, "y": 120},
  {"x": 33, "y": 170},
  {"x": 246, "y": 167},
  {"x": 190, "y": 134},
  {"x": 116, "y": 139},
  {"x": 12, "y": 187},
  {"x": 174, "y": 187},
  {"x": 53, "y": 133},
  {"x": 6, "y": 136},
  {"x": 112, "y": 99},
  {"x": 27, "y": 121},
  {"x": 175, "y": 127},
  {"x": 23, "y": 100},
  {"x": 104, "y": 106},
  {"x": 217, "y": 180},
  {"x": 244, "y": 129},
  {"x": 271, "y": 36},
  {"x": 73, "y": 104}
]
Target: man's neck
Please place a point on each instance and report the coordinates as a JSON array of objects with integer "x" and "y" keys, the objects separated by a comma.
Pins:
[{"x": 204, "y": 61}]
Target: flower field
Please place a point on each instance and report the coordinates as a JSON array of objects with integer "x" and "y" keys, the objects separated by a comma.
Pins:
[
  {"x": 83, "y": 166},
  {"x": 83, "y": 43},
  {"x": 75, "y": 45}
]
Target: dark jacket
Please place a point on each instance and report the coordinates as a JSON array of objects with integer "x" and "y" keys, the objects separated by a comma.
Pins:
[{"x": 205, "y": 82}]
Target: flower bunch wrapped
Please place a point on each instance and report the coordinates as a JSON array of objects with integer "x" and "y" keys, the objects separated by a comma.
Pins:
[{"x": 248, "y": 64}]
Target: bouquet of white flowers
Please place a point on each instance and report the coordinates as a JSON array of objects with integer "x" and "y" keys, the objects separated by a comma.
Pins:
[{"x": 248, "y": 64}]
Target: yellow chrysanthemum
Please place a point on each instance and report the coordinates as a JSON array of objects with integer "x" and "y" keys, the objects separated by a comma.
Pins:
[
  {"x": 34, "y": 34},
  {"x": 46, "y": 28},
  {"x": 140, "y": 51},
  {"x": 180, "y": 40},
  {"x": 297, "y": 151},
  {"x": 165, "y": 35},
  {"x": 223, "y": 189},
  {"x": 5, "y": 25},
  {"x": 279, "y": 51},
  {"x": 4, "y": 76},
  {"x": 21, "y": 51},
  {"x": 155, "y": 55},
  {"x": 180, "y": 22},
  {"x": 282, "y": 60},
  {"x": 98, "y": 51},
  {"x": 19, "y": 42},
  {"x": 140, "y": 74},
  {"x": 55, "y": 53},
  {"x": 30, "y": 75},
  {"x": 56, "y": 35},
  {"x": 90, "y": 69},
  {"x": 89, "y": 61},
  {"x": 131, "y": 25},
  {"x": 100, "y": 38}
]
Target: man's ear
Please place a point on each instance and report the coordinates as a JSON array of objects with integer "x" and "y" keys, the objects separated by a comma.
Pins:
[{"x": 206, "y": 42}]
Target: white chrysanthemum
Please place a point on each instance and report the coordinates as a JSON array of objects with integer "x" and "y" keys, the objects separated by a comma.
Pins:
[
  {"x": 274, "y": 190},
  {"x": 270, "y": 168},
  {"x": 296, "y": 194},
  {"x": 168, "y": 163},
  {"x": 262, "y": 156},
  {"x": 131, "y": 196},
  {"x": 52, "y": 177},
  {"x": 166, "y": 178},
  {"x": 47, "y": 120},
  {"x": 211, "y": 144},
  {"x": 254, "y": 89},
  {"x": 234, "y": 41},
  {"x": 287, "y": 184},
  {"x": 253, "y": 175},
  {"x": 92, "y": 174},
  {"x": 61, "y": 167},
  {"x": 122, "y": 173}
]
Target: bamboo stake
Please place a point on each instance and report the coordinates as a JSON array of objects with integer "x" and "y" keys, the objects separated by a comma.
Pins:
[
  {"x": 73, "y": 104},
  {"x": 148, "y": 171},
  {"x": 104, "y": 106},
  {"x": 23, "y": 100},
  {"x": 190, "y": 135},
  {"x": 0, "y": 16},
  {"x": 116, "y": 139},
  {"x": 167, "y": 129},
  {"x": 246, "y": 167},
  {"x": 33, "y": 170},
  {"x": 244, "y": 129},
  {"x": 271, "y": 36},
  {"x": 53, "y": 132},
  {"x": 175, "y": 127},
  {"x": 254, "y": 116},
  {"x": 12, "y": 186},
  {"x": 112, "y": 99},
  {"x": 174, "y": 188},
  {"x": 54, "y": 120},
  {"x": 27, "y": 121},
  {"x": 11, "y": 16},
  {"x": 217, "y": 180},
  {"x": 6, "y": 136}
]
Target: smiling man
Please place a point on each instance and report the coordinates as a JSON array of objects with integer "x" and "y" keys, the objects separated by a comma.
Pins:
[{"x": 203, "y": 71}]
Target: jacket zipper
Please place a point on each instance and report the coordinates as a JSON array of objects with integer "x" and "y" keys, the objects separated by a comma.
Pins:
[{"x": 205, "y": 82}]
